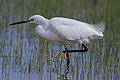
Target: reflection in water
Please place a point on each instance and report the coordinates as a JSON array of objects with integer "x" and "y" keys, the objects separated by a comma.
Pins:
[
  {"x": 63, "y": 75},
  {"x": 25, "y": 58}
]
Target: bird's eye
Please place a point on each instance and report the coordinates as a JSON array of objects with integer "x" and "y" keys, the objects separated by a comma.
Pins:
[{"x": 31, "y": 19}]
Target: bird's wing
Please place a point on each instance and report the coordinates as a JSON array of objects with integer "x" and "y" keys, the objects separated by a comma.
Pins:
[{"x": 74, "y": 30}]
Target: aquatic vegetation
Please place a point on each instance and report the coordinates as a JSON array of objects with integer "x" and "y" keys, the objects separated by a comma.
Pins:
[{"x": 24, "y": 55}]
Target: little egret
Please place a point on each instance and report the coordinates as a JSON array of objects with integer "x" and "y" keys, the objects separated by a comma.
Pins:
[{"x": 65, "y": 30}]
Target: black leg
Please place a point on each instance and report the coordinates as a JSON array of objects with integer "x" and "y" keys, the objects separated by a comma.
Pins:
[
  {"x": 83, "y": 50},
  {"x": 68, "y": 62},
  {"x": 68, "y": 59}
]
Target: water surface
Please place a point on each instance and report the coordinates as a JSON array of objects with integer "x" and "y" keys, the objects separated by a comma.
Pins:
[{"x": 26, "y": 56}]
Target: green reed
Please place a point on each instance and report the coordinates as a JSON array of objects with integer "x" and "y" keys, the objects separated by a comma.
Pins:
[{"x": 21, "y": 47}]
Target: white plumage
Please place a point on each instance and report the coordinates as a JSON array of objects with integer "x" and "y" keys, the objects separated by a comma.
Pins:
[
  {"x": 65, "y": 30},
  {"x": 76, "y": 31}
]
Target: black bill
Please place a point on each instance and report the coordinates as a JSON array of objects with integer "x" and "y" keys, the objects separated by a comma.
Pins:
[{"x": 20, "y": 22}]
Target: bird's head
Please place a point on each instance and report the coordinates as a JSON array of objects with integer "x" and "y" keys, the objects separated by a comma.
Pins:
[{"x": 37, "y": 19}]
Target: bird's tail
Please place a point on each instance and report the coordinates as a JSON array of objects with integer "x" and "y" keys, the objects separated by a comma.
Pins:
[{"x": 100, "y": 27}]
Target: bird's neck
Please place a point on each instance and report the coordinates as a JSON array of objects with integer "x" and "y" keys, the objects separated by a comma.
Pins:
[{"x": 44, "y": 24}]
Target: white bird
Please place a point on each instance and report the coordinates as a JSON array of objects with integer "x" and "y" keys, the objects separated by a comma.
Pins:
[{"x": 65, "y": 30}]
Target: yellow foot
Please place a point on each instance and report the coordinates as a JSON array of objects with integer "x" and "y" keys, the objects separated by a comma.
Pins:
[
  {"x": 62, "y": 77},
  {"x": 60, "y": 54}
]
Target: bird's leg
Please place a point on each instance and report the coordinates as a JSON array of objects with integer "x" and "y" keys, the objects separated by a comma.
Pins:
[
  {"x": 60, "y": 53},
  {"x": 85, "y": 49},
  {"x": 67, "y": 58},
  {"x": 68, "y": 62},
  {"x": 58, "y": 56}
]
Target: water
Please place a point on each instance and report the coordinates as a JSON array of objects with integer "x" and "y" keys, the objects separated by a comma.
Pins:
[{"x": 26, "y": 56}]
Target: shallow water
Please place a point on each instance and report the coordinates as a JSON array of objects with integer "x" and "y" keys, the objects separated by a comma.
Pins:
[{"x": 26, "y": 56}]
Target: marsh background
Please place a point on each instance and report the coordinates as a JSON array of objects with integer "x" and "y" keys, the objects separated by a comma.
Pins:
[{"x": 25, "y": 56}]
